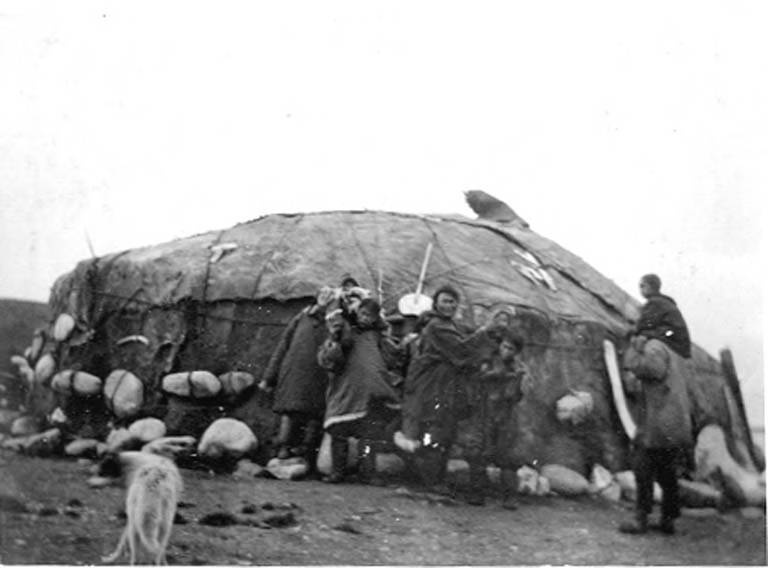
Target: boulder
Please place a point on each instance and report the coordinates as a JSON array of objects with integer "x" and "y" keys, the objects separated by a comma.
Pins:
[
  {"x": 531, "y": 482},
  {"x": 714, "y": 464},
  {"x": 147, "y": 429},
  {"x": 124, "y": 393},
  {"x": 120, "y": 439},
  {"x": 696, "y": 494},
  {"x": 575, "y": 407},
  {"x": 25, "y": 426},
  {"x": 63, "y": 327},
  {"x": 82, "y": 447},
  {"x": 170, "y": 446},
  {"x": 246, "y": 469},
  {"x": 7, "y": 418},
  {"x": 235, "y": 382},
  {"x": 600, "y": 478},
  {"x": 42, "y": 444},
  {"x": 564, "y": 480},
  {"x": 44, "y": 368},
  {"x": 288, "y": 469},
  {"x": 227, "y": 437},
  {"x": 79, "y": 382},
  {"x": 195, "y": 384}
]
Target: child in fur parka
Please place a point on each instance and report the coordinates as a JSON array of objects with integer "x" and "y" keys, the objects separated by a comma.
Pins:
[{"x": 359, "y": 359}]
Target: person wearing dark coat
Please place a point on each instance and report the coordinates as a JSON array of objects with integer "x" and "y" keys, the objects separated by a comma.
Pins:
[
  {"x": 359, "y": 359},
  {"x": 501, "y": 383},
  {"x": 664, "y": 429},
  {"x": 661, "y": 319},
  {"x": 435, "y": 396},
  {"x": 298, "y": 381}
]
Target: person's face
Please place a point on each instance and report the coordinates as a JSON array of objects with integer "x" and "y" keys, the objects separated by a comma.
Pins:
[
  {"x": 446, "y": 305},
  {"x": 365, "y": 317},
  {"x": 507, "y": 350},
  {"x": 645, "y": 289},
  {"x": 501, "y": 319},
  {"x": 353, "y": 302}
]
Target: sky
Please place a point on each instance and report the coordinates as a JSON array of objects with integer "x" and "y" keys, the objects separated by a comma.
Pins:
[{"x": 633, "y": 134}]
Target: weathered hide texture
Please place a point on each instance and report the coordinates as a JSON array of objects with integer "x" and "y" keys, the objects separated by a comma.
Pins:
[{"x": 219, "y": 301}]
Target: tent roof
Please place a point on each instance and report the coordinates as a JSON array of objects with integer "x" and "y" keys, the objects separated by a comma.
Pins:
[{"x": 288, "y": 256}]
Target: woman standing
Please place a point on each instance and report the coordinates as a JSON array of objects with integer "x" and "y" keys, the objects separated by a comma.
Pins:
[{"x": 435, "y": 395}]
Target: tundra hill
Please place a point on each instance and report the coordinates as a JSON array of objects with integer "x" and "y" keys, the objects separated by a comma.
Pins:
[{"x": 18, "y": 321}]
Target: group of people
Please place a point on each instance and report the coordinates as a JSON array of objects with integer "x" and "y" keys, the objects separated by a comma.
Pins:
[{"x": 340, "y": 369}]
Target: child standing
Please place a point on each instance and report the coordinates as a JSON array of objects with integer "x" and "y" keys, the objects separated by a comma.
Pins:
[
  {"x": 359, "y": 358},
  {"x": 502, "y": 382}
]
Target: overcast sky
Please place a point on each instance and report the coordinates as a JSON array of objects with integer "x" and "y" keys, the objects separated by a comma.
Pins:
[{"x": 635, "y": 135}]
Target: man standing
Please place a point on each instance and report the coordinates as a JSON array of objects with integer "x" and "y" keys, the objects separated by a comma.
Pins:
[
  {"x": 664, "y": 429},
  {"x": 661, "y": 319}
]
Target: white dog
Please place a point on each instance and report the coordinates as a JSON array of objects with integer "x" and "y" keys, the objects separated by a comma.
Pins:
[{"x": 154, "y": 487}]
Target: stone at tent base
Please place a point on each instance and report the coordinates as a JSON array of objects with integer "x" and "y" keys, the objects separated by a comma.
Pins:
[
  {"x": 697, "y": 494},
  {"x": 611, "y": 493},
  {"x": 82, "y": 447},
  {"x": 626, "y": 480},
  {"x": 599, "y": 479},
  {"x": 752, "y": 512},
  {"x": 288, "y": 469},
  {"x": 174, "y": 446},
  {"x": 7, "y": 417},
  {"x": 121, "y": 439},
  {"x": 147, "y": 429},
  {"x": 25, "y": 426},
  {"x": 42, "y": 444},
  {"x": 715, "y": 464},
  {"x": 227, "y": 437},
  {"x": 531, "y": 482},
  {"x": 97, "y": 481},
  {"x": 575, "y": 407},
  {"x": 564, "y": 481},
  {"x": 247, "y": 469}
]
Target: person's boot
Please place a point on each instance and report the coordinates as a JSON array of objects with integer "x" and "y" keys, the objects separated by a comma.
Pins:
[
  {"x": 509, "y": 495},
  {"x": 666, "y": 525},
  {"x": 638, "y": 526},
  {"x": 367, "y": 457},
  {"x": 475, "y": 494}
]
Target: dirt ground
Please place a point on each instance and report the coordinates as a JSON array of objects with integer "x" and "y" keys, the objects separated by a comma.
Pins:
[{"x": 49, "y": 515}]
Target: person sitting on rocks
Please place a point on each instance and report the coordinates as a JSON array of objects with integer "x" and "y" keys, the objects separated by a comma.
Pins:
[{"x": 661, "y": 319}]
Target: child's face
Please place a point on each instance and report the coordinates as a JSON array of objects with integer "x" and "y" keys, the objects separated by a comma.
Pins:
[
  {"x": 507, "y": 349},
  {"x": 365, "y": 317},
  {"x": 501, "y": 319}
]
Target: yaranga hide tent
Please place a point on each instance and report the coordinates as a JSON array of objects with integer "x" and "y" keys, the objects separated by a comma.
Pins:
[{"x": 218, "y": 302}]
